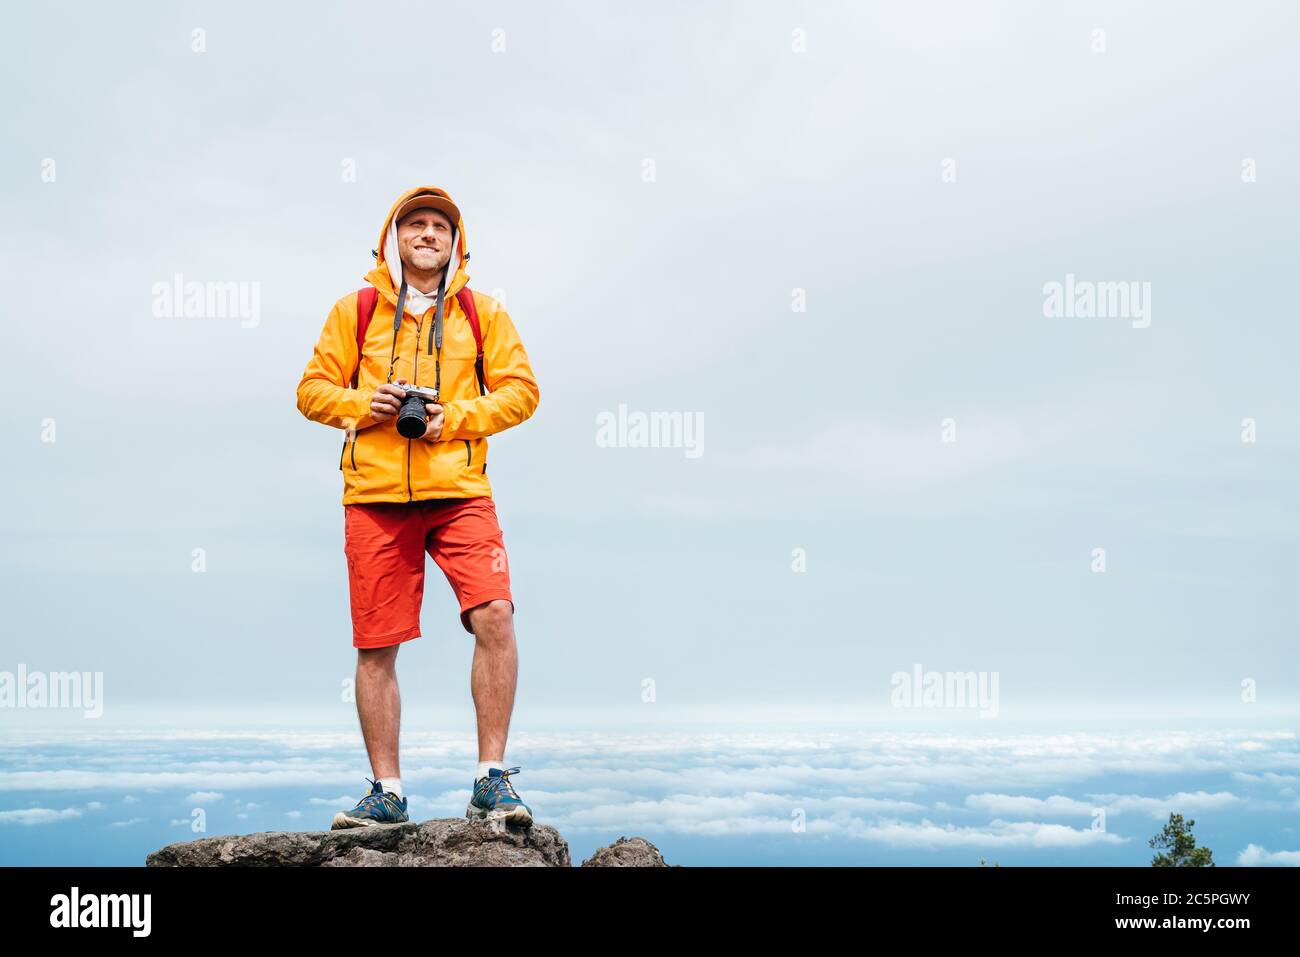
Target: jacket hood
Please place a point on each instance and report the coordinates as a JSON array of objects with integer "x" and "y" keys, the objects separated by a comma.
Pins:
[{"x": 387, "y": 274}]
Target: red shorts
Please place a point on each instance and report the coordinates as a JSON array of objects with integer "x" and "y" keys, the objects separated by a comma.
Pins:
[{"x": 385, "y": 544}]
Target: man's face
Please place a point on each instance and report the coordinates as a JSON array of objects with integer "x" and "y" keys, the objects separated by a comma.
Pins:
[{"x": 424, "y": 239}]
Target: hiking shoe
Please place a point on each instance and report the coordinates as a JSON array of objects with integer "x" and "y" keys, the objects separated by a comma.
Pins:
[
  {"x": 495, "y": 800},
  {"x": 377, "y": 807}
]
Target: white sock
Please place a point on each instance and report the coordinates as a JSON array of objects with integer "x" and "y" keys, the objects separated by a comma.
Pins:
[
  {"x": 483, "y": 767},
  {"x": 391, "y": 784}
]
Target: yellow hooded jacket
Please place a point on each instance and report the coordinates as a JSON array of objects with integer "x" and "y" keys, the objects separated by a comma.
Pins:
[{"x": 378, "y": 464}]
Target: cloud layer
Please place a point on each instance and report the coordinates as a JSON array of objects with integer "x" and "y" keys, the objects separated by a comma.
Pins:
[{"x": 907, "y": 792}]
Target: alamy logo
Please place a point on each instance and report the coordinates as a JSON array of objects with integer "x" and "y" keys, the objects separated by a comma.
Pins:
[
  {"x": 1085, "y": 299},
  {"x": 102, "y": 910},
  {"x": 57, "y": 689},
  {"x": 180, "y": 299},
  {"x": 945, "y": 689},
  {"x": 639, "y": 430}
]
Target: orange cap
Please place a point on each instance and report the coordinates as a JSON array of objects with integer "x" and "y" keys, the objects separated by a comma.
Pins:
[{"x": 429, "y": 200}]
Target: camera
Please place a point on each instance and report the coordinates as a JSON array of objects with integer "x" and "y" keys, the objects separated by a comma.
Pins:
[{"x": 412, "y": 418}]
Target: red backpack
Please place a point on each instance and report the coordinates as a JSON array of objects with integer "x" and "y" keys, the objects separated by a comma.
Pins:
[{"x": 368, "y": 298}]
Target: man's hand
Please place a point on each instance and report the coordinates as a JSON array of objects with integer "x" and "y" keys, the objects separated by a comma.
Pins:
[
  {"x": 433, "y": 431},
  {"x": 386, "y": 401}
]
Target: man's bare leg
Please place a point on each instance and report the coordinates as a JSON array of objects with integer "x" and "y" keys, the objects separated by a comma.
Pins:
[
  {"x": 379, "y": 706},
  {"x": 493, "y": 675}
]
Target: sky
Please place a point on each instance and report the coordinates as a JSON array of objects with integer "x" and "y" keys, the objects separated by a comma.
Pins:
[{"x": 825, "y": 234}]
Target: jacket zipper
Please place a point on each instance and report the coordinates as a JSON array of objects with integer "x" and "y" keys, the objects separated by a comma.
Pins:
[
  {"x": 354, "y": 451},
  {"x": 469, "y": 454},
  {"x": 415, "y": 380}
]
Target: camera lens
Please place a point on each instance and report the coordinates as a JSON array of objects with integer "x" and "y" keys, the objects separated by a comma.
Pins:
[{"x": 412, "y": 419}]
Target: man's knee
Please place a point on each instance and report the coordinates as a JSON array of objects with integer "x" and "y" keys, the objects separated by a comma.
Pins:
[
  {"x": 377, "y": 659},
  {"x": 492, "y": 619}
]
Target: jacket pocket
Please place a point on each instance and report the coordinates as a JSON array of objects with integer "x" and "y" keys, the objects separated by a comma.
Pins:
[
  {"x": 376, "y": 463},
  {"x": 437, "y": 467},
  {"x": 469, "y": 453}
]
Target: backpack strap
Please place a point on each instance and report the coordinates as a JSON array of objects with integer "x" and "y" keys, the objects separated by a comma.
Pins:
[
  {"x": 367, "y": 298},
  {"x": 466, "y": 300}
]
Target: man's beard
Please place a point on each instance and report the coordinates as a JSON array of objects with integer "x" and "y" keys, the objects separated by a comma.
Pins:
[{"x": 425, "y": 262}]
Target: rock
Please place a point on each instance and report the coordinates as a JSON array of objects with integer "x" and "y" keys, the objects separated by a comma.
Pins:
[
  {"x": 627, "y": 852},
  {"x": 441, "y": 842}
]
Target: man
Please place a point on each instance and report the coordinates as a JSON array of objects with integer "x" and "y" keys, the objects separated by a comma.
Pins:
[{"x": 405, "y": 496}]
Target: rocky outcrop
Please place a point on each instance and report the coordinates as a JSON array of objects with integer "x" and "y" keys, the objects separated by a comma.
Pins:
[
  {"x": 627, "y": 852},
  {"x": 441, "y": 842}
]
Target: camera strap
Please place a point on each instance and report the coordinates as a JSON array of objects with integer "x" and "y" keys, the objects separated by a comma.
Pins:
[
  {"x": 397, "y": 325},
  {"x": 367, "y": 299},
  {"x": 435, "y": 332}
]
